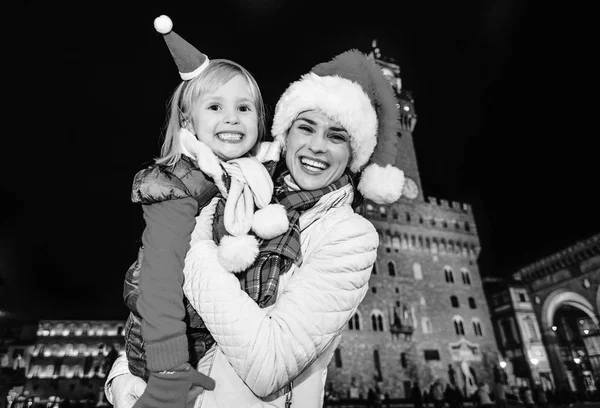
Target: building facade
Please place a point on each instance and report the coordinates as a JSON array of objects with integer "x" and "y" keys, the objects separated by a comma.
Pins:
[
  {"x": 565, "y": 288},
  {"x": 72, "y": 358},
  {"x": 425, "y": 315},
  {"x": 518, "y": 334}
]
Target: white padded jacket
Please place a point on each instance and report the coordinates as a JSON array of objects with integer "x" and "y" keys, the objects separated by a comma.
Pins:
[{"x": 261, "y": 351}]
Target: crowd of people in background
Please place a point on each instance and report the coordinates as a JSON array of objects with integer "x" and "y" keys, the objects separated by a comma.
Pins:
[{"x": 449, "y": 395}]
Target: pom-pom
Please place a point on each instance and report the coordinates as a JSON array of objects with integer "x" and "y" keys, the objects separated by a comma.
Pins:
[
  {"x": 271, "y": 221},
  {"x": 163, "y": 24},
  {"x": 236, "y": 254},
  {"x": 382, "y": 185}
]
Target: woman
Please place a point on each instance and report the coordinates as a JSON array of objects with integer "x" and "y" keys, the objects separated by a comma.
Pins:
[{"x": 333, "y": 122}]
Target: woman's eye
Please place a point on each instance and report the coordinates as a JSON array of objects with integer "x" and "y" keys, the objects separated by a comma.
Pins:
[
  {"x": 305, "y": 128},
  {"x": 337, "y": 137}
]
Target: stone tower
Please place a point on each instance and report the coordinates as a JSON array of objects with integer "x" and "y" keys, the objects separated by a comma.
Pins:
[{"x": 425, "y": 315}]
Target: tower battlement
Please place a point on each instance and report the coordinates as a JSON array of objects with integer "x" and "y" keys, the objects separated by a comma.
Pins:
[{"x": 446, "y": 205}]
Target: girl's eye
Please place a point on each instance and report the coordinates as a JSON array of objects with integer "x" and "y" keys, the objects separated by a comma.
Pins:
[
  {"x": 245, "y": 108},
  {"x": 214, "y": 107}
]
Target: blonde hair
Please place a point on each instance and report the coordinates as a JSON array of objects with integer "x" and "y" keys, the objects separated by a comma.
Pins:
[{"x": 182, "y": 102}]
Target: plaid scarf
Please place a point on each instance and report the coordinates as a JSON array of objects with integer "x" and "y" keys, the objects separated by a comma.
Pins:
[{"x": 276, "y": 256}]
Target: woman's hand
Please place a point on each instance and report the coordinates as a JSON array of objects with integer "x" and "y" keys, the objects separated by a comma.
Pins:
[{"x": 126, "y": 390}]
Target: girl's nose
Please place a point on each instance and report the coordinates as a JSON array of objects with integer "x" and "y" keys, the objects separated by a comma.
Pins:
[{"x": 232, "y": 118}]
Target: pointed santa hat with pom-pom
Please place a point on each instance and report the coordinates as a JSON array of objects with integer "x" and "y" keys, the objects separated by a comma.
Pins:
[
  {"x": 190, "y": 62},
  {"x": 352, "y": 90}
]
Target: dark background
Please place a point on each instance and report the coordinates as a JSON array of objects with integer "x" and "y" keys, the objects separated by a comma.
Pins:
[{"x": 503, "y": 92}]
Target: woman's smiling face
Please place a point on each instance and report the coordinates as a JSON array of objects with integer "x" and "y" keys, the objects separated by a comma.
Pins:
[{"x": 317, "y": 150}]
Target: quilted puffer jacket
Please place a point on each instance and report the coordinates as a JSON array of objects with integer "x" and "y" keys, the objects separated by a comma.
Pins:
[
  {"x": 152, "y": 185},
  {"x": 260, "y": 351}
]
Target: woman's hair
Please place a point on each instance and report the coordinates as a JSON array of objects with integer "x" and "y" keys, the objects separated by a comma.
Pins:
[{"x": 186, "y": 95}]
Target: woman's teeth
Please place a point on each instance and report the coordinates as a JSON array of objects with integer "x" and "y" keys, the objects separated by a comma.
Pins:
[
  {"x": 313, "y": 165},
  {"x": 230, "y": 136}
]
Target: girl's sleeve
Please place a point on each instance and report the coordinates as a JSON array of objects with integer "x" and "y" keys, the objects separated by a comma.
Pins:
[
  {"x": 269, "y": 348},
  {"x": 169, "y": 225}
]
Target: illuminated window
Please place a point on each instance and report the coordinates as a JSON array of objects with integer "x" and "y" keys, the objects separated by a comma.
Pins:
[
  {"x": 417, "y": 271},
  {"x": 354, "y": 322},
  {"x": 448, "y": 274},
  {"x": 426, "y": 325},
  {"x": 477, "y": 327},
  {"x": 377, "y": 320},
  {"x": 459, "y": 327}
]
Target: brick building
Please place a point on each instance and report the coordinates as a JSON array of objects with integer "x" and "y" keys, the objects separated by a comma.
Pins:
[
  {"x": 425, "y": 315},
  {"x": 565, "y": 288}
]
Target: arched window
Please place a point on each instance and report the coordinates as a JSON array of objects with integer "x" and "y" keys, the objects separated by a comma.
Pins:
[
  {"x": 466, "y": 276},
  {"x": 459, "y": 327},
  {"x": 395, "y": 214},
  {"x": 407, "y": 217},
  {"x": 396, "y": 243},
  {"x": 467, "y": 226},
  {"x": 426, "y": 325},
  {"x": 477, "y": 328},
  {"x": 403, "y": 360},
  {"x": 391, "y": 268},
  {"x": 387, "y": 242},
  {"x": 377, "y": 320},
  {"x": 354, "y": 322},
  {"x": 417, "y": 272},
  {"x": 375, "y": 268},
  {"x": 85, "y": 329},
  {"x": 382, "y": 212},
  {"x": 454, "y": 301},
  {"x": 472, "y": 304},
  {"x": 448, "y": 274}
]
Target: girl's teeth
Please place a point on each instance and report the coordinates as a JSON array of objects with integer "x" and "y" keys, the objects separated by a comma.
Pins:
[{"x": 230, "y": 136}]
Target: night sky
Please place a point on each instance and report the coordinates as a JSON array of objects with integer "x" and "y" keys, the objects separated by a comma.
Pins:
[{"x": 503, "y": 93}]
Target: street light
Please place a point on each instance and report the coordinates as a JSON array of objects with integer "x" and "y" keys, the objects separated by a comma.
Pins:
[
  {"x": 534, "y": 361},
  {"x": 577, "y": 360},
  {"x": 503, "y": 364}
]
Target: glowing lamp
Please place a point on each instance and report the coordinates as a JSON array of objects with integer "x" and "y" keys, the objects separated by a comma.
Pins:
[
  {"x": 503, "y": 364},
  {"x": 577, "y": 360},
  {"x": 554, "y": 328},
  {"x": 534, "y": 361}
]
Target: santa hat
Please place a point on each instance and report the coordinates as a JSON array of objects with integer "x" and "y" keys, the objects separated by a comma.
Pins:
[
  {"x": 352, "y": 90},
  {"x": 190, "y": 62}
]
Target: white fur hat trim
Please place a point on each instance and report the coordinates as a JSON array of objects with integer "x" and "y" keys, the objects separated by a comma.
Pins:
[{"x": 341, "y": 100}]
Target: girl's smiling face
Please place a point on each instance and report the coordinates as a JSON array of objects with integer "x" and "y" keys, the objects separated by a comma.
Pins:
[
  {"x": 226, "y": 120},
  {"x": 317, "y": 150}
]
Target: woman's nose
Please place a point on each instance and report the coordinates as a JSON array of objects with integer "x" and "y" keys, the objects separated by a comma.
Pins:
[{"x": 317, "y": 143}]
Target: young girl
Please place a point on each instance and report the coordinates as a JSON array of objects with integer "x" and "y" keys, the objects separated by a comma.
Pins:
[{"x": 216, "y": 115}]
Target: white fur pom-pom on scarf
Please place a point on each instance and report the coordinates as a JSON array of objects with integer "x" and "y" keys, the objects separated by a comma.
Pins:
[{"x": 236, "y": 254}]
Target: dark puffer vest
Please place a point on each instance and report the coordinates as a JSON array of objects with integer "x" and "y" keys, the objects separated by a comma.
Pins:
[{"x": 155, "y": 184}]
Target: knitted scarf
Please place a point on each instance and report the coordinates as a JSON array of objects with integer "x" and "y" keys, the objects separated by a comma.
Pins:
[{"x": 276, "y": 256}]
